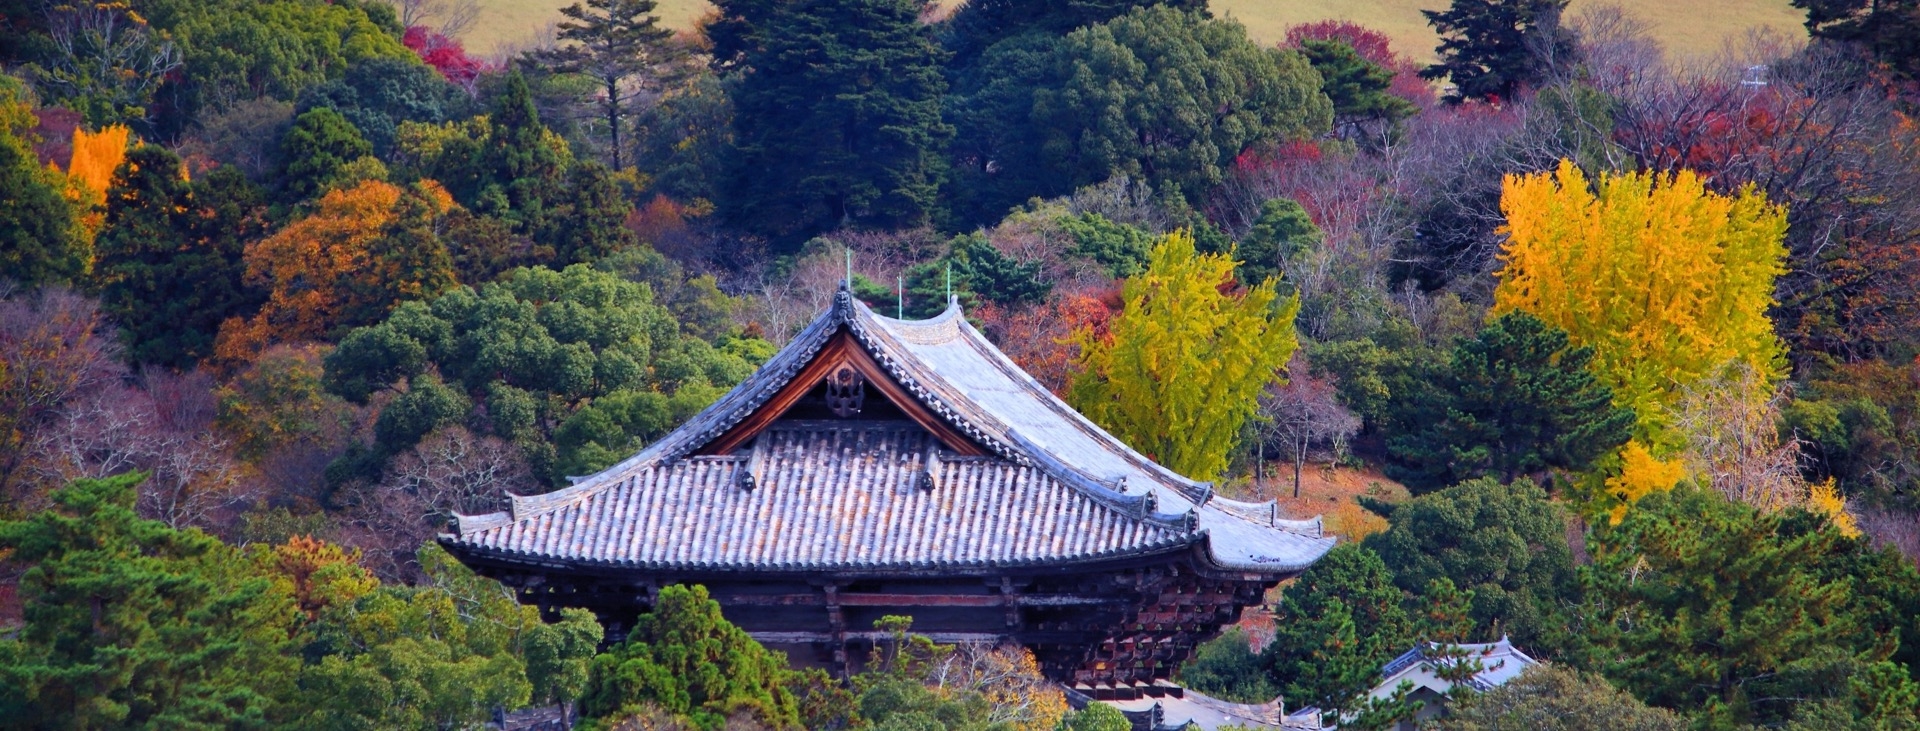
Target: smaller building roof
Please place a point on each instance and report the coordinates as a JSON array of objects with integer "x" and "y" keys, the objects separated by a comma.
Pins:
[{"x": 1423, "y": 667}]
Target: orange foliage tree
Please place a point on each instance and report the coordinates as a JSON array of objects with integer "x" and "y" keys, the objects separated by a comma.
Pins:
[
  {"x": 90, "y": 172},
  {"x": 95, "y": 155},
  {"x": 1041, "y": 338},
  {"x": 366, "y": 249},
  {"x": 316, "y": 573}
]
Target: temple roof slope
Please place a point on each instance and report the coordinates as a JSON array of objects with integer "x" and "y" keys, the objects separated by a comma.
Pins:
[{"x": 993, "y": 470}]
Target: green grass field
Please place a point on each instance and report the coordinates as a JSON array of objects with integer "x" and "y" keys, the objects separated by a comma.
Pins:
[{"x": 1686, "y": 27}]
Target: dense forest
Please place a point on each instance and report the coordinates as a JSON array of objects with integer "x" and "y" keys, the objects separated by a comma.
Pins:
[{"x": 1627, "y": 348}]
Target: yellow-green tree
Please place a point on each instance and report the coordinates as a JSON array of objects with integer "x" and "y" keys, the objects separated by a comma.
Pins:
[
  {"x": 1665, "y": 280},
  {"x": 1179, "y": 371}
]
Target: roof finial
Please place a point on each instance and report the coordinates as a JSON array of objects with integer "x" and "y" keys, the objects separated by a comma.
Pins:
[
  {"x": 849, "y": 279},
  {"x": 949, "y": 283},
  {"x": 900, "y": 296}
]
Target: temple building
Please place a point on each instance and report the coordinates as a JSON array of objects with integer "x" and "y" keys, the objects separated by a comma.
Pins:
[{"x": 881, "y": 467}]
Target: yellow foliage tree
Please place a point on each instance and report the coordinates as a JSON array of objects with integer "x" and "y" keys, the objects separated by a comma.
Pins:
[
  {"x": 1181, "y": 369},
  {"x": 1641, "y": 474},
  {"x": 326, "y": 272},
  {"x": 90, "y": 172},
  {"x": 1666, "y": 280},
  {"x": 95, "y": 156}
]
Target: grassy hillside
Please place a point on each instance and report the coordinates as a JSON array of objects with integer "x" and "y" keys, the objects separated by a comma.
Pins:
[{"x": 1687, "y": 27}]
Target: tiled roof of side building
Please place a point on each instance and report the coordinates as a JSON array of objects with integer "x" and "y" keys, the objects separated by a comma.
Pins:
[{"x": 1042, "y": 447}]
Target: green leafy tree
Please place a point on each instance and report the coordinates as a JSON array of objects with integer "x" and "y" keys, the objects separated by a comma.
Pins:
[
  {"x": 131, "y": 624},
  {"x": 560, "y": 655},
  {"x": 1488, "y": 48},
  {"x": 1282, "y": 237},
  {"x": 39, "y": 242},
  {"x": 980, "y": 24},
  {"x": 1099, "y": 717},
  {"x": 316, "y": 151},
  {"x": 1178, "y": 372},
  {"x": 836, "y": 115},
  {"x": 1121, "y": 248},
  {"x": 1515, "y": 400},
  {"x": 1714, "y": 606},
  {"x": 233, "y": 51},
  {"x": 169, "y": 259},
  {"x": 1192, "y": 92},
  {"x": 1552, "y": 698},
  {"x": 613, "y": 42},
  {"x": 1164, "y": 95},
  {"x": 536, "y": 347},
  {"x": 442, "y": 654},
  {"x": 687, "y": 659},
  {"x": 1335, "y": 626},
  {"x": 428, "y": 404},
  {"x": 1358, "y": 88},
  {"x": 1504, "y": 543},
  {"x": 615, "y": 426},
  {"x": 1228, "y": 668},
  {"x": 378, "y": 94}
]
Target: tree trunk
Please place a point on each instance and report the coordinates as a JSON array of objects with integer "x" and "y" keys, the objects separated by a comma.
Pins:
[
  {"x": 1299, "y": 460},
  {"x": 613, "y": 117},
  {"x": 1259, "y": 459}
]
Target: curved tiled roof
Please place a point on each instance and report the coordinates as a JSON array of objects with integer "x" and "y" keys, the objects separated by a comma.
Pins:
[
  {"x": 827, "y": 497},
  {"x": 1058, "y": 488}
]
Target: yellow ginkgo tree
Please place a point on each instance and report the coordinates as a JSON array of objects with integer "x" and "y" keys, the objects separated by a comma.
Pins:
[
  {"x": 1180, "y": 369},
  {"x": 1667, "y": 281}
]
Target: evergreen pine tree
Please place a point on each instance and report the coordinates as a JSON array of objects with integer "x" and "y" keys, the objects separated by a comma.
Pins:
[
  {"x": 1488, "y": 47},
  {"x": 591, "y": 222},
  {"x": 612, "y": 41},
  {"x": 1515, "y": 400},
  {"x": 524, "y": 162},
  {"x": 131, "y": 624},
  {"x": 1888, "y": 29},
  {"x": 169, "y": 266},
  {"x": 1334, "y": 627},
  {"x": 690, "y": 661},
  {"x": 1357, "y": 87},
  {"x": 836, "y": 115}
]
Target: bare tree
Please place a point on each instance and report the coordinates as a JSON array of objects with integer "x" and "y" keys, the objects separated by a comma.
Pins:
[
  {"x": 1734, "y": 441},
  {"x": 165, "y": 427},
  {"x": 104, "y": 53},
  {"x": 450, "y": 18},
  {"x": 1896, "y": 528},
  {"x": 54, "y": 348},
  {"x": 455, "y": 471},
  {"x": 1303, "y": 413},
  {"x": 451, "y": 471}
]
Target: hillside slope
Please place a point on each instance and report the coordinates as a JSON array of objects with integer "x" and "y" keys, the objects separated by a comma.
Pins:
[{"x": 1687, "y": 27}]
